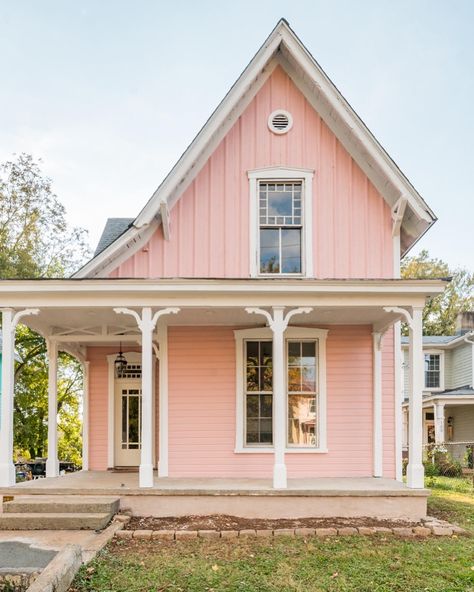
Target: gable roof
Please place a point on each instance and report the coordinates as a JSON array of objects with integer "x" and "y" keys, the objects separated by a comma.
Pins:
[{"x": 283, "y": 48}]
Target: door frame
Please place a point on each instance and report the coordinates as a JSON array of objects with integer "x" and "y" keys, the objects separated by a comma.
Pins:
[{"x": 133, "y": 357}]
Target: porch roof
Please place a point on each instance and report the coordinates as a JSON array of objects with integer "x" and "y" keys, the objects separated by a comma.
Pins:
[{"x": 82, "y": 310}]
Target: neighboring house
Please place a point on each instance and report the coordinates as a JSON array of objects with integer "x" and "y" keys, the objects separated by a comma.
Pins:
[
  {"x": 246, "y": 323},
  {"x": 448, "y": 394}
]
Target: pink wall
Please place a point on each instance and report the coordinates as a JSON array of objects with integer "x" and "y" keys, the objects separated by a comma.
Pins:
[
  {"x": 202, "y": 407},
  {"x": 99, "y": 405},
  {"x": 210, "y": 223}
]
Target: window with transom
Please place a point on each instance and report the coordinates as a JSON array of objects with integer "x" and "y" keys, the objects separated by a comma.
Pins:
[{"x": 280, "y": 227}]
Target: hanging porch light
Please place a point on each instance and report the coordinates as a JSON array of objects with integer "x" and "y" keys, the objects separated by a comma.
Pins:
[{"x": 120, "y": 363}]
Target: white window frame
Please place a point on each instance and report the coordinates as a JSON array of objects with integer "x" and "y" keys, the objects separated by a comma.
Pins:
[
  {"x": 440, "y": 353},
  {"x": 279, "y": 175},
  {"x": 292, "y": 333}
]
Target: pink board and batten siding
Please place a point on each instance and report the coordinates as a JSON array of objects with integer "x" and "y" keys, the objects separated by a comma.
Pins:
[
  {"x": 202, "y": 408},
  {"x": 210, "y": 223}
]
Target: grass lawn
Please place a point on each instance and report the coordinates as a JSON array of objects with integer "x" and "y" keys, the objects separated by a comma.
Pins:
[{"x": 342, "y": 564}]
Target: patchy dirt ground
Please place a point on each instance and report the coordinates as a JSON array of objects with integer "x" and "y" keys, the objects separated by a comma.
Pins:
[{"x": 224, "y": 522}]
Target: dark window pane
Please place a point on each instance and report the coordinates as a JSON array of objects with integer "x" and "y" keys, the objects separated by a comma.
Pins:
[
  {"x": 266, "y": 383},
  {"x": 252, "y": 379},
  {"x": 124, "y": 418},
  {"x": 133, "y": 419},
  {"x": 309, "y": 350},
  {"x": 252, "y": 431},
  {"x": 294, "y": 349},
  {"x": 266, "y": 353},
  {"x": 266, "y": 405},
  {"x": 252, "y": 352},
  {"x": 266, "y": 430},
  {"x": 269, "y": 250},
  {"x": 291, "y": 250},
  {"x": 252, "y": 405}
]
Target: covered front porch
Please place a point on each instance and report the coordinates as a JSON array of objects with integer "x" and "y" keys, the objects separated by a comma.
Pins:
[{"x": 151, "y": 316}]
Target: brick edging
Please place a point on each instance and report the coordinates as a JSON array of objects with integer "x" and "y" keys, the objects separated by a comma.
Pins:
[{"x": 428, "y": 528}]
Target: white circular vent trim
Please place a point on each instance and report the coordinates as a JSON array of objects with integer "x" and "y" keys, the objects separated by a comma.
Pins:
[{"x": 280, "y": 121}]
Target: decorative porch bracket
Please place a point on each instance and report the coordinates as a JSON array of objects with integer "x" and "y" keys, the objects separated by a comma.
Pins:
[
  {"x": 147, "y": 323},
  {"x": 10, "y": 319},
  {"x": 278, "y": 324},
  {"x": 415, "y": 469}
]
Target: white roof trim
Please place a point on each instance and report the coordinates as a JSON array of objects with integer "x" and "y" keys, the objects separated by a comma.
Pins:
[{"x": 282, "y": 47}]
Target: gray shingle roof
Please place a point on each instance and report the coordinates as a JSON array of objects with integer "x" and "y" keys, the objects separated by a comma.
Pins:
[
  {"x": 433, "y": 339},
  {"x": 114, "y": 227}
]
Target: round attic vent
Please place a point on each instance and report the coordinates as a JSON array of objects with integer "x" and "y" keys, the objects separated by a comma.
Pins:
[{"x": 280, "y": 121}]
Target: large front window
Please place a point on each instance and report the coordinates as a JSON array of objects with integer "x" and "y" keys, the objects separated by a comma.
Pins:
[{"x": 280, "y": 227}]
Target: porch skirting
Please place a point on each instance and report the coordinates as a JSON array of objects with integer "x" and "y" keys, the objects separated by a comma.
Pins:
[{"x": 247, "y": 498}]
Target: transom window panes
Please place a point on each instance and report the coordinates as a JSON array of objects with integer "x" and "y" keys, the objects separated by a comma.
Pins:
[
  {"x": 432, "y": 371},
  {"x": 302, "y": 393},
  {"x": 281, "y": 222},
  {"x": 259, "y": 392}
]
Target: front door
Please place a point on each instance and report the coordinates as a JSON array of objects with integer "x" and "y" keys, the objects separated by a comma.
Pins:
[{"x": 128, "y": 408}]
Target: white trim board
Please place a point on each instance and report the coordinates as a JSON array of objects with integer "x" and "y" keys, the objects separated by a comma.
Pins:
[{"x": 283, "y": 48}]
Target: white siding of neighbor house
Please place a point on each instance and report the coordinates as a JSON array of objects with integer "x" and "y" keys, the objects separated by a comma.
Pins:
[
  {"x": 448, "y": 369},
  {"x": 461, "y": 363},
  {"x": 463, "y": 422}
]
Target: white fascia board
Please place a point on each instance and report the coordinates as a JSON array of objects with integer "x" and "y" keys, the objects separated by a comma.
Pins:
[{"x": 117, "y": 252}]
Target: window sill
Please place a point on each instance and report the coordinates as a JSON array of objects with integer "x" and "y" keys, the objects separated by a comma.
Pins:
[{"x": 287, "y": 451}]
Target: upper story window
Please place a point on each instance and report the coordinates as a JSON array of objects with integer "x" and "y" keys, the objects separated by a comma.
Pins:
[
  {"x": 281, "y": 226},
  {"x": 281, "y": 241},
  {"x": 432, "y": 371}
]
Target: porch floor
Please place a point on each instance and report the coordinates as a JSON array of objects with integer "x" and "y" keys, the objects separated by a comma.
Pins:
[{"x": 108, "y": 483}]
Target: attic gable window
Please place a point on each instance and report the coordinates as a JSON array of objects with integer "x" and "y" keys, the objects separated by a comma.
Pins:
[{"x": 280, "y": 221}]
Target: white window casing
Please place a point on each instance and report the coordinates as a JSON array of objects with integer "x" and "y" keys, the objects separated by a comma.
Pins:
[
  {"x": 440, "y": 353},
  {"x": 291, "y": 333},
  {"x": 291, "y": 175}
]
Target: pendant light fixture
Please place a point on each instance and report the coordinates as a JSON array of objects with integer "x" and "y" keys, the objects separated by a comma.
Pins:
[{"x": 120, "y": 363}]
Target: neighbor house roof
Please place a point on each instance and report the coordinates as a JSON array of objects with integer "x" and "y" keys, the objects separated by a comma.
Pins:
[
  {"x": 114, "y": 227},
  {"x": 443, "y": 341},
  {"x": 285, "y": 49}
]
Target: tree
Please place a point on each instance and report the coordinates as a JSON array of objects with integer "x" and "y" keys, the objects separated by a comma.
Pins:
[
  {"x": 440, "y": 312},
  {"x": 36, "y": 241}
]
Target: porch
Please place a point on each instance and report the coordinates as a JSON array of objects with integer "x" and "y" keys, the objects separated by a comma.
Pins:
[
  {"x": 362, "y": 441},
  {"x": 343, "y": 497}
]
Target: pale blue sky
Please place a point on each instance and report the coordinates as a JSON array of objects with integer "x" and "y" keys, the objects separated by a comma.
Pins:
[{"x": 109, "y": 93}]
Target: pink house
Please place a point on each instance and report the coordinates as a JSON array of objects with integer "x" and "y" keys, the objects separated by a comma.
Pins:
[{"x": 255, "y": 301}]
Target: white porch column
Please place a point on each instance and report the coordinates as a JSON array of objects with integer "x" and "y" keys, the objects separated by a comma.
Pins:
[
  {"x": 9, "y": 322},
  {"x": 377, "y": 405},
  {"x": 52, "y": 463},
  {"x": 278, "y": 324},
  {"x": 415, "y": 469},
  {"x": 85, "y": 416},
  {"x": 439, "y": 422},
  {"x": 147, "y": 323}
]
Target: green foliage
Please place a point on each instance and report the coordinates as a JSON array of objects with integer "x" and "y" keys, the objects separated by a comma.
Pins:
[
  {"x": 439, "y": 315},
  {"x": 36, "y": 241}
]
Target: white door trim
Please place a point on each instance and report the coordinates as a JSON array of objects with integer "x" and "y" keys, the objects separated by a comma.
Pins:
[{"x": 133, "y": 357}]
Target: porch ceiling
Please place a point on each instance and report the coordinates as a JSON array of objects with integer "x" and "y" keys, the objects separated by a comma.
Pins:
[{"x": 97, "y": 326}]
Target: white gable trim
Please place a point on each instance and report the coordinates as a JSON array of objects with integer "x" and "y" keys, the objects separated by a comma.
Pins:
[{"x": 282, "y": 47}]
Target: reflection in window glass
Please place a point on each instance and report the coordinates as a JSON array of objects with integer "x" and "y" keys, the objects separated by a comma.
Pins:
[
  {"x": 302, "y": 394},
  {"x": 259, "y": 392},
  {"x": 280, "y": 219}
]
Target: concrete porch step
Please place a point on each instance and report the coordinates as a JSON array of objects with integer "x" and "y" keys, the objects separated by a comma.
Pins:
[
  {"x": 46, "y": 504},
  {"x": 54, "y": 521}
]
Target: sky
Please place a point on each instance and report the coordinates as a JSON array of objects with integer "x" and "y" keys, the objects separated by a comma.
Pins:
[{"x": 109, "y": 93}]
